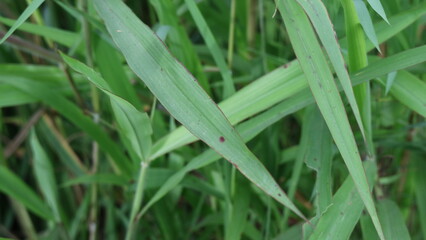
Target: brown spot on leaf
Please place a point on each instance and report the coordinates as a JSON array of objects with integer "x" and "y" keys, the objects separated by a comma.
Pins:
[{"x": 221, "y": 139}]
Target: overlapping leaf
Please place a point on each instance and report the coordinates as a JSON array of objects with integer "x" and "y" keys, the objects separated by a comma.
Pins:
[{"x": 179, "y": 92}]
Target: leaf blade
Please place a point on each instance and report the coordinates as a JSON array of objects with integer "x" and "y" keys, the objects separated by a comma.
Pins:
[{"x": 181, "y": 95}]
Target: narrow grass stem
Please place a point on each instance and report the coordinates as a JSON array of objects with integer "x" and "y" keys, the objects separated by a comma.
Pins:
[
  {"x": 137, "y": 200},
  {"x": 231, "y": 34},
  {"x": 357, "y": 60}
]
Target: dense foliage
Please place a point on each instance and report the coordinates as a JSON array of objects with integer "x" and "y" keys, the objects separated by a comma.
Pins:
[{"x": 319, "y": 130}]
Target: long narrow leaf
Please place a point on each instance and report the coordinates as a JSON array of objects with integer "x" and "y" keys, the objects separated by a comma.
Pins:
[
  {"x": 73, "y": 114},
  {"x": 45, "y": 176},
  {"x": 278, "y": 85},
  {"x": 134, "y": 125},
  {"x": 14, "y": 187},
  {"x": 325, "y": 92},
  {"x": 318, "y": 15},
  {"x": 179, "y": 92},
  {"x": 26, "y": 14},
  {"x": 211, "y": 42}
]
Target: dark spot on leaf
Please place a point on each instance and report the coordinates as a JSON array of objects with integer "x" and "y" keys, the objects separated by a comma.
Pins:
[
  {"x": 279, "y": 195},
  {"x": 285, "y": 66},
  {"x": 222, "y": 139}
]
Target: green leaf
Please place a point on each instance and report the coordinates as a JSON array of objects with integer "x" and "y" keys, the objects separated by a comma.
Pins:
[
  {"x": 180, "y": 44},
  {"x": 134, "y": 125},
  {"x": 420, "y": 186},
  {"x": 26, "y": 14},
  {"x": 45, "y": 175},
  {"x": 318, "y": 15},
  {"x": 181, "y": 95},
  {"x": 73, "y": 114},
  {"x": 99, "y": 178},
  {"x": 341, "y": 217},
  {"x": 389, "y": 81},
  {"x": 325, "y": 92},
  {"x": 410, "y": 91},
  {"x": 280, "y": 84},
  {"x": 111, "y": 68},
  {"x": 318, "y": 155},
  {"x": 366, "y": 22},
  {"x": 228, "y": 85},
  {"x": 14, "y": 187},
  {"x": 378, "y": 8},
  {"x": 60, "y": 36},
  {"x": 393, "y": 221},
  {"x": 248, "y": 131}
]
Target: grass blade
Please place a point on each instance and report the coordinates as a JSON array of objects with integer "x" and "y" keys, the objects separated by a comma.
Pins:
[
  {"x": 179, "y": 92},
  {"x": 228, "y": 85},
  {"x": 393, "y": 221},
  {"x": 326, "y": 94},
  {"x": 133, "y": 125},
  {"x": 318, "y": 15},
  {"x": 45, "y": 176},
  {"x": 282, "y": 83},
  {"x": 344, "y": 212},
  {"x": 63, "y": 37},
  {"x": 26, "y": 14},
  {"x": 410, "y": 91},
  {"x": 366, "y": 22},
  {"x": 73, "y": 114},
  {"x": 377, "y": 6},
  {"x": 14, "y": 187}
]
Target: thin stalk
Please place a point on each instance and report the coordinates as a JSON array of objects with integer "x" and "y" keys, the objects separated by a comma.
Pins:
[
  {"x": 231, "y": 34},
  {"x": 357, "y": 60},
  {"x": 70, "y": 79},
  {"x": 31, "y": 48},
  {"x": 22, "y": 135},
  {"x": 262, "y": 36},
  {"x": 24, "y": 219},
  {"x": 137, "y": 200},
  {"x": 93, "y": 213},
  {"x": 82, "y": 4},
  {"x": 251, "y": 25},
  {"x": 154, "y": 105}
]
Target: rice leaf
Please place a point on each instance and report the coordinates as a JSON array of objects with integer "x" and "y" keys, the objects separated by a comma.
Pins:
[
  {"x": 134, "y": 125},
  {"x": 60, "y": 36},
  {"x": 179, "y": 92},
  {"x": 410, "y": 91},
  {"x": 228, "y": 85},
  {"x": 45, "y": 176},
  {"x": 318, "y": 15},
  {"x": 389, "y": 81},
  {"x": 341, "y": 217},
  {"x": 26, "y": 14},
  {"x": 326, "y": 94},
  {"x": 378, "y": 8},
  {"x": 277, "y": 86},
  {"x": 393, "y": 221},
  {"x": 13, "y": 186},
  {"x": 366, "y": 22},
  {"x": 73, "y": 114},
  {"x": 420, "y": 185}
]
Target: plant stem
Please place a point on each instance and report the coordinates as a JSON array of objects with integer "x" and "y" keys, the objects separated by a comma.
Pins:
[
  {"x": 231, "y": 34},
  {"x": 137, "y": 201},
  {"x": 357, "y": 60}
]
